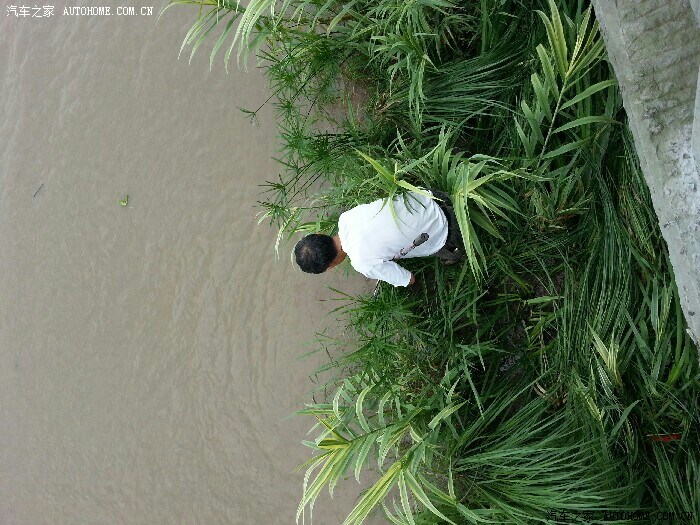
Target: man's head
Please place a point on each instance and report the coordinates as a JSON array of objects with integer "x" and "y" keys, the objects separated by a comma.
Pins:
[{"x": 317, "y": 252}]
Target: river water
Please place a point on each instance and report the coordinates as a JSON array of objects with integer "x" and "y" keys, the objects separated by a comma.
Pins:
[{"x": 149, "y": 353}]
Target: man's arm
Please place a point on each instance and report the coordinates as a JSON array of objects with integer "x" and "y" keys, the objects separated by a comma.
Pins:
[{"x": 391, "y": 273}]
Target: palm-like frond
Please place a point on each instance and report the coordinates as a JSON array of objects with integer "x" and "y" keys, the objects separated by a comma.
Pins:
[{"x": 559, "y": 121}]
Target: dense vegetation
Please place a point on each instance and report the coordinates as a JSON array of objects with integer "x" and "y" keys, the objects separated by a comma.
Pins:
[{"x": 549, "y": 378}]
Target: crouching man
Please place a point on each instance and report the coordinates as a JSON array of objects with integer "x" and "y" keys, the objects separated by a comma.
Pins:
[{"x": 374, "y": 238}]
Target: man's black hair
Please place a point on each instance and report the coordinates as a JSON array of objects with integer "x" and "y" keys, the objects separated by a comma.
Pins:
[{"x": 315, "y": 253}]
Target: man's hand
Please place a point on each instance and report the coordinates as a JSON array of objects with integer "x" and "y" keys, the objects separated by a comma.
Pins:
[{"x": 413, "y": 280}]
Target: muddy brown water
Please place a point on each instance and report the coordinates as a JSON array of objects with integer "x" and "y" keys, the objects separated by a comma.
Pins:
[{"x": 150, "y": 353}]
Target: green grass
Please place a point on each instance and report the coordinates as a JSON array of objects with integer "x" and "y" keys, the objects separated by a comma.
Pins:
[{"x": 551, "y": 372}]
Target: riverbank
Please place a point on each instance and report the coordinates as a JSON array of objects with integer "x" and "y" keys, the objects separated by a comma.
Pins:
[{"x": 548, "y": 377}]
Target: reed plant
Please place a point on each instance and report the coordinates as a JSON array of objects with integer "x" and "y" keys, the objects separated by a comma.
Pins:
[{"x": 550, "y": 377}]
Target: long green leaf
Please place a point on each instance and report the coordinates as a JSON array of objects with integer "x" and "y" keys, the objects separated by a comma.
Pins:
[
  {"x": 583, "y": 121},
  {"x": 590, "y": 91}
]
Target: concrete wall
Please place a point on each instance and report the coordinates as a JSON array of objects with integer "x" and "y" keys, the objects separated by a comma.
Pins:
[
  {"x": 654, "y": 46},
  {"x": 695, "y": 4}
]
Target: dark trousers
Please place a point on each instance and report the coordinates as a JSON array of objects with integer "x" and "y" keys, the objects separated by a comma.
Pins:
[{"x": 454, "y": 235}]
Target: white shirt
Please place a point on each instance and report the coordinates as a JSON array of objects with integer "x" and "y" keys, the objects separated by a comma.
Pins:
[{"x": 371, "y": 236}]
